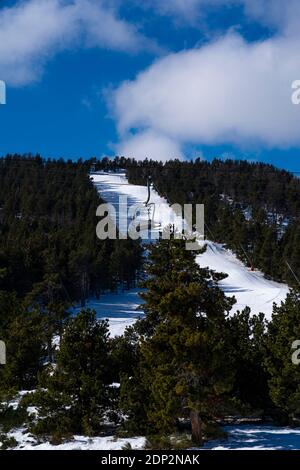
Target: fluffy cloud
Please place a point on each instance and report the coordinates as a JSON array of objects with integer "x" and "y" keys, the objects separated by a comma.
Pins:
[
  {"x": 188, "y": 10},
  {"x": 149, "y": 144},
  {"x": 33, "y": 30},
  {"x": 182, "y": 12},
  {"x": 281, "y": 14},
  {"x": 275, "y": 13},
  {"x": 228, "y": 91}
]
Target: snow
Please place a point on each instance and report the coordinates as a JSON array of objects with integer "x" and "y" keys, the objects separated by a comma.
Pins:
[
  {"x": 14, "y": 403},
  {"x": 250, "y": 288},
  {"x": 247, "y": 437},
  {"x": 113, "y": 185},
  {"x": 241, "y": 437},
  {"x": 27, "y": 442},
  {"x": 121, "y": 309}
]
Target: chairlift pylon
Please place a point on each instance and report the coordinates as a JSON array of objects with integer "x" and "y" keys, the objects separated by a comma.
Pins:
[{"x": 150, "y": 206}]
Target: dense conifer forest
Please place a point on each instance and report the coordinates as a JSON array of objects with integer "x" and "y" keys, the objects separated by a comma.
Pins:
[
  {"x": 253, "y": 208},
  {"x": 185, "y": 366},
  {"x": 50, "y": 258},
  {"x": 47, "y": 230}
]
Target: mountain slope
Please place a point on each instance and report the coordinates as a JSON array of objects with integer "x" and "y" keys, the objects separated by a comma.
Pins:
[{"x": 249, "y": 287}]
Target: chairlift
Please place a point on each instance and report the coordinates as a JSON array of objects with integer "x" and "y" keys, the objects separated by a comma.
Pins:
[{"x": 150, "y": 206}]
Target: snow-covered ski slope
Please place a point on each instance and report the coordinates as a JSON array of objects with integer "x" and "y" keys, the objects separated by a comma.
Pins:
[
  {"x": 113, "y": 185},
  {"x": 120, "y": 309},
  {"x": 249, "y": 287}
]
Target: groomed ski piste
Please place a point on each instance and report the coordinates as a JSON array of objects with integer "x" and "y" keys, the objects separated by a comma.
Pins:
[
  {"x": 123, "y": 308},
  {"x": 250, "y": 288}
]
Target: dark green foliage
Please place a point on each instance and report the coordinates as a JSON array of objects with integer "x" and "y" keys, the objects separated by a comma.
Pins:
[
  {"x": 78, "y": 388},
  {"x": 48, "y": 229},
  {"x": 254, "y": 208},
  {"x": 186, "y": 362},
  {"x": 50, "y": 258},
  {"x": 7, "y": 442},
  {"x": 22, "y": 331},
  {"x": 11, "y": 417},
  {"x": 125, "y": 353},
  {"x": 284, "y": 382},
  {"x": 247, "y": 338},
  {"x": 185, "y": 367},
  {"x": 168, "y": 442}
]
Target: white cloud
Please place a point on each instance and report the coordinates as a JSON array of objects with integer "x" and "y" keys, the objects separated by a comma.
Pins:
[
  {"x": 275, "y": 13},
  {"x": 183, "y": 12},
  {"x": 34, "y": 30},
  {"x": 282, "y": 14},
  {"x": 104, "y": 28},
  {"x": 229, "y": 91},
  {"x": 186, "y": 9},
  {"x": 149, "y": 144}
]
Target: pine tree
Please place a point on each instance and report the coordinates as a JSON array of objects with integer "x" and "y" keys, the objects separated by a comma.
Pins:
[
  {"x": 48, "y": 296},
  {"x": 184, "y": 368},
  {"x": 22, "y": 332},
  {"x": 78, "y": 389},
  {"x": 284, "y": 381},
  {"x": 247, "y": 338}
]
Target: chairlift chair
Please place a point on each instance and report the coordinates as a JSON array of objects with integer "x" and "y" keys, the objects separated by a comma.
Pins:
[{"x": 150, "y": 206}]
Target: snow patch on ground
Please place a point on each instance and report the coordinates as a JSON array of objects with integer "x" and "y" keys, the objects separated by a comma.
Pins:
[
  {"x": 242, "y": 437},
  {"x": 239, "y": 437},
  {"x": 121, "y": 309},
  {"x": 247, "y": 437},
  {"x": 249, "y": 287},
  {"x": 27, "y": 442}
]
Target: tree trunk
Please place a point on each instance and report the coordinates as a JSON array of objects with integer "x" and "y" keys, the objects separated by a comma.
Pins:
[{"x": 196, "y": 425}]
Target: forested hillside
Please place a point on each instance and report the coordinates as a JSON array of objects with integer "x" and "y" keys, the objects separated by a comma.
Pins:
[
  {"x": 50, "y": 259},
  {"x": 188, "y": 364},
  {"x": 253, "y": 208},
  {"x": 47, "y": 228}
]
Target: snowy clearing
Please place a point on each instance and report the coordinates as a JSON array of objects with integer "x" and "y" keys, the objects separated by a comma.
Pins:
[
  {"x": 247, "y": 437},
  {"x": 28, "y": 442},
  {"x": 120, "y": 309},
  {"x": 242, "y": 437},
  {"x": 249, "y": 287}
]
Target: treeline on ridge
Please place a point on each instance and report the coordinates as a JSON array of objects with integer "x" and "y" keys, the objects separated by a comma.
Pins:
[
  {"x": 252, "y": 207},
  {"x": 182, "y": 369},
  {"x": 48, "y": 228}
]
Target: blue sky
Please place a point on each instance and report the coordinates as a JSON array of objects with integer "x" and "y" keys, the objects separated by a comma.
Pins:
[{"x": 158, "y": 79}]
